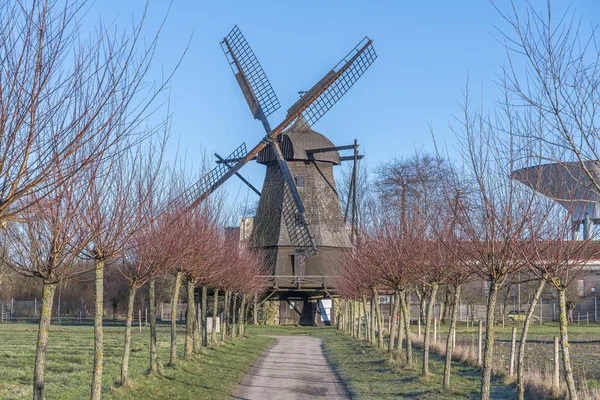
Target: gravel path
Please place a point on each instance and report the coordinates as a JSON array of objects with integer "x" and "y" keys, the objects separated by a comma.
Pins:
[{"x": 294, "y": 368}]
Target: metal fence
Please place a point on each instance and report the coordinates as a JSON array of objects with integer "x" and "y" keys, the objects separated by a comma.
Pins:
[
  {"x": 587, "y": 310},
  {"x": 78, "y": 312}
]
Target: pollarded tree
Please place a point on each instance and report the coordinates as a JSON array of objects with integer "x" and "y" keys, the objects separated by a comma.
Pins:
[
  {"x": 250, "y": 280},
  {"x": 152, "y": 250},
  {"x": 204, "y": 250},
  {"x": 557, "y": 261},
  {"x": 62, "y": 91},
  {"x": 113, "y": 213},
  {"x": 45, "y": 244},
  {"x": 494, "y": 213}
]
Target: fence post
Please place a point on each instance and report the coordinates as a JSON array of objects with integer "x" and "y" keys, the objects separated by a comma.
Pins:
[
  {"x": 553, "y": 311},
  {"x": 454, "y": 339},
  {"x": 12, "y": 309},
  {"x": 595, "y": 314},
  {"x": 34, "y": 306},
  {"x": 419, "y": 329},
  {"x": 161, "y": 311},
  {"x": 587, "y": 318},
  {"x": 578, "y": 318},
  {"x": 556, "y": 375},
  {"x": 479, "y": 360},
  {"x": 146, "y": 320},
  {"x": 140, "y": 319},
  {"x": 434, "y": 330},
  {"x": 512, "y": 352},
  {"x": 541, "y": 312}
]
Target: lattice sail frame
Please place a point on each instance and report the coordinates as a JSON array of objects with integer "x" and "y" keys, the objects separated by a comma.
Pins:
[
  {"x": 364, "y": 54},
  {"x": 243, "y": 61},
  {"x": 207, "y": 184}
]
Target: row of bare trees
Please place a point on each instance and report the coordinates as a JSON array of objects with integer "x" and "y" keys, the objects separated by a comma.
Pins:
[
  {"x": 435, "y": 224},
  {"x": 455, "y": 229},
  {"x": 83, "y": 185},
  {"x": 122, "y": 213}
]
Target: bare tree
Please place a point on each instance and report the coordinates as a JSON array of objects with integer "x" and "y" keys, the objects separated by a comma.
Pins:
[
  {"x": 114, "y": 212},
  {"x": 45, "y": 245},
  {"x": 493, "y": 216},
  {"x": 553, "y": 73}
]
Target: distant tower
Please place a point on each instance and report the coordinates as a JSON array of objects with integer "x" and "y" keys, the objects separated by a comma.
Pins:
[{"x": 313, "y": 175}]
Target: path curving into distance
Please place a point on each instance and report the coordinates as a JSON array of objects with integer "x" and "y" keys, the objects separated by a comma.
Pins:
[{"x": 294, "y": 368}]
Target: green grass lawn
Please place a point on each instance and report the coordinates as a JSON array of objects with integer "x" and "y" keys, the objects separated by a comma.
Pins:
[
  {"x": 212, "y": 375},
  {"x": 368, "y": 374}
]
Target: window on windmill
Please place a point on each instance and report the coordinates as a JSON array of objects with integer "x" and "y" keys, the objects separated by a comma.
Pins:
[{"x": 299, "y": 181}]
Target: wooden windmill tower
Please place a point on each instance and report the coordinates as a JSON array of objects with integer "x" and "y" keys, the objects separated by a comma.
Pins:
[
  {"x": 299, "y": 224},
  {"x": 298, "y": 241}
]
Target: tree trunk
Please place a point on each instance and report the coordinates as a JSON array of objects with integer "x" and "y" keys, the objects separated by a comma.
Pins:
[
  {"x": 392, "y": 344},
  {"x": 98, "y": 333},
  {"x": 447, "y": 305},
  {"x": 449, "y": 340},
  {"x": 242, "y": 317},
  {"x": 426, "y": 338},
  {"x": 373, "y": 322},
  {"x": 204, "y": 316},
  {"x": 400, "y": 321},
  {"x": 367, "y": 318},
  {"x": 379, "y": 319},
  {"x": 197, "y": 323},
  {"x": 406, "y": 314},
  {"x": 422, "y": 305},
  {"x": 39, "y": 387},
  {"x": 521, "y": 354},
  {"x": 189, "y": 320},
  {"x": 488, "y": 350},
  {"x": 565, "y": 345},
  {"x": 127, "y": 344},
  {"x": 247, "y": 301},
  {"x": 213, "y": 334},
  {"x": 233, "y": 317},
  {"x": 174, "y": 301},
  {"x": 115, "y": 307},
  {"x": 349, "y": 315},
  {"x": 224, "y": 316},
  {"x": 152, "y": 301}
]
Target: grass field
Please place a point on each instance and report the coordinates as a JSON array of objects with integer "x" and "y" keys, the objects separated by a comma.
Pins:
[
  {"x": 365, "y": 370},
  {"x": 211, "y": 375}
]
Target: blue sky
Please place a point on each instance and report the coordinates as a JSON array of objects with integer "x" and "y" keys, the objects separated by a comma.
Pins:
[{"x": 426, "y": 49}]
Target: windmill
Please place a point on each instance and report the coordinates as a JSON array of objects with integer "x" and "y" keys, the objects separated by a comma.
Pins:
[{"x": 277, "y": 149}]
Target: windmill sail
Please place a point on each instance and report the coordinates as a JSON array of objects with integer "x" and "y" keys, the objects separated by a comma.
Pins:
[
  {"x": 322, "y": 96},
  {"x": 199, "y": 191},
  {"x": 249, "y": 73},
  {"x": 262, "y": 101},
  {"x": 312, "y": 106}
]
